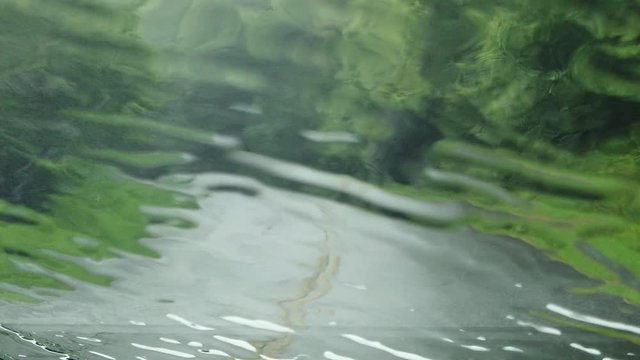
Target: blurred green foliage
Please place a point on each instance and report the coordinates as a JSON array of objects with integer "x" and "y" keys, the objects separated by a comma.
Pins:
[
  {"x": 526, "y": 109},
  {"x": 542, "y": 100},
  {"x": 58, "y": 205},
  {"x": 523, "y": 108}
]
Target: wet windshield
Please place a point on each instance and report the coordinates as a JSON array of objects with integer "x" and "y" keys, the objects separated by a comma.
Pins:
[{"x": 319, "y": 179}]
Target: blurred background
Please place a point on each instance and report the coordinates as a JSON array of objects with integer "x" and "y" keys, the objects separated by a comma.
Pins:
[{"x": 338, "y": 179}]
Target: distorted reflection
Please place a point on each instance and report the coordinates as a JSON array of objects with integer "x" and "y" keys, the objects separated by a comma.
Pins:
[{"x": 306, "y": 179}]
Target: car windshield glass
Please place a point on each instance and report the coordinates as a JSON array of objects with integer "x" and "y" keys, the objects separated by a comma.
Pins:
[{"x": 320, "y": 179}]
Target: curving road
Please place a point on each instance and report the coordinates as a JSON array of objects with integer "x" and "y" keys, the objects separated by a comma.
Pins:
[{"x": 272, "y": 274}]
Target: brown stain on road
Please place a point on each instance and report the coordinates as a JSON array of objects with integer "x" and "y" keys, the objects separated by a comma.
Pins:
[{"x": 313, "y": 287}]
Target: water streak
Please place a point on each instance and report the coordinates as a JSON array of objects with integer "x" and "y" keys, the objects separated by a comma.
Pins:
[
  {"x": 333, "y": 356},
  {"x": 102, "y": 355},
  {"x": 236, "y": 342},
  {"x": 593, "y": 320},
  {"x": 188, "y": 323},
  {"x": 176, "y": 353},
  {"x": 377, "y": 345},
  {"x": 258, "y": 324}
]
